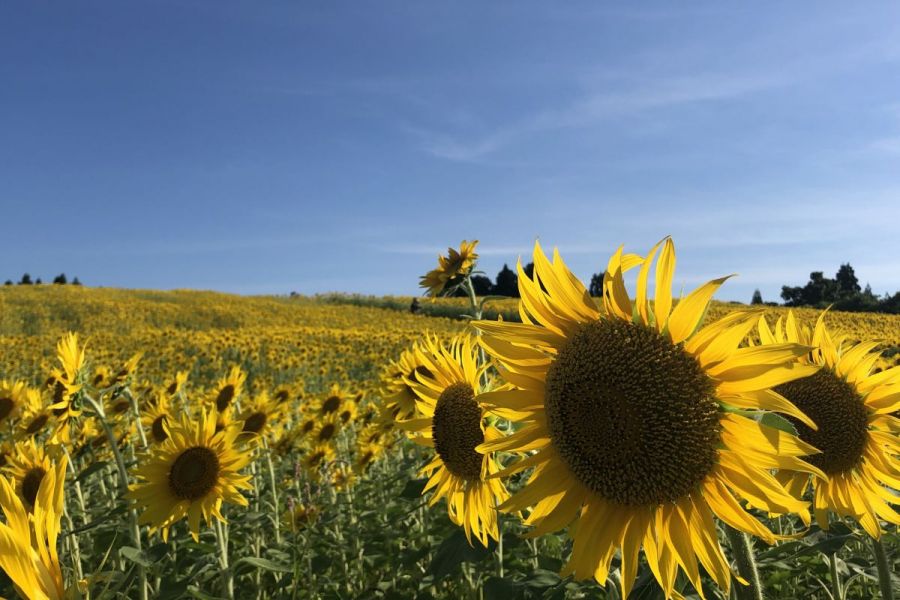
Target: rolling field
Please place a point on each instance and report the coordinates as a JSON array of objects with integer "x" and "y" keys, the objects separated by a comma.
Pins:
[{"x": 326, "y": 496}]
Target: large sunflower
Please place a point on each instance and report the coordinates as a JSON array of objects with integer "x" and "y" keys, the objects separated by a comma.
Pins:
[
  {"x": 190, "y": 474},
  {"x": 852, "y": 408},
  {"x": 628, "y": 414},
  {"x": 452, "y": 422},
  {"x": 456, "y": 263},
  {"x": 28, "y": 551}
]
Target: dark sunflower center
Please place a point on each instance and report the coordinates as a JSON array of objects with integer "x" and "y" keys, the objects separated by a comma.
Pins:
[
  {"x": 173, "y": 387},
  {"x": 456, "y": 429},
  {"x": 331, "y": 404},
  {"x": 37, "y": 423},
  {"x": 59, "y": 394},
  {"x": 631, "y": 414},
  {"x": 6, "y": 406},
  {"x": 158, "y": 430},
  {"x": 839, "y": 411},
  {"x": 31, "y": 483},
  {"x": 194, "y": 473},
  {"x": 308, "y": 426},
  {"x": 226, "y": 395},
  {"x": 326, "y": 433},
  {"x": 255, "y": 422},
  {"x": 281, "y": 396}
]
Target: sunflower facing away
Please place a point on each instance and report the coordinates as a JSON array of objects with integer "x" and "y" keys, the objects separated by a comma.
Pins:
[
  {"x": 190, "y": 475},
  {"x": 627, "y": 415},
  {"x": 452, "y": 422},
  {"x": 457, "y": 262},
  {"x": 852, "y": 408},
  {"x": 28, "y": 552}
]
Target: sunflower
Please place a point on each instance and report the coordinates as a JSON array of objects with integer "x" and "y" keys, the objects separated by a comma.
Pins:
[
  {"x": 35, "y": 415},
  {"x": 627, "y": 414},
  {"x": 190, "y": 475},
  {"x": 316, "y": 458},
  {"x": 326, "y": 430},
  {"x": 451, "y": 421},
  {"x": 456, "y": 263},
  {"x": 398, "y": 400},
  {"x": 128, "y": 369},
  {"x": 852, "y": 408},
  {"x": 228, "y": 388},
  {"x": 27, "y": 465},
  {"x": 12, "y": 399},
  {"x": 260, "y": 415},
  {"x": 334, "y": 401},
  {"x": 156, "y": 417},
  {"x": 177, "y": 384},
  {"x": 28, "y": 551},
  {"x": 65, "y": 383},
  {"x": 299, "y": 515}
]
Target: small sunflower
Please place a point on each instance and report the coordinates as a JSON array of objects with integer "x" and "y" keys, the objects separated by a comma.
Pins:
[
  {"x": 36, "y": 416},
  {"x": 851, "y": 407},
  {"x": 326, "y": 430},
  {"x": 28, "y": 465},
  {"x": 456, "y": 263},
  {"x": 176, "y": 385},
  {"x": 229, "y": 388},
  {"x": 398, "y": 401},
  {"x": 625, "y": 414},
  {"x": 334, "y": 401},
  {"x": 156, "y": 417},
  {"x": 189, "y": 475},
  {"x": 28, "y": 552},
  {"x": 316, "y": 458},
  {"x": 260, "y": 415},
  {"x": 12, "y": 399},
  {"x": 452, "y": 422}
]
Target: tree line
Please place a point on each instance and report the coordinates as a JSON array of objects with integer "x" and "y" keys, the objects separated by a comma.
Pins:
[
  {"x": 842, "y": 292},
  {"x": 60, "y": 279}
]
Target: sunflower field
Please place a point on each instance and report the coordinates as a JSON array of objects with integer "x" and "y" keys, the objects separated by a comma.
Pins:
[{"x": 200, "y": 445}]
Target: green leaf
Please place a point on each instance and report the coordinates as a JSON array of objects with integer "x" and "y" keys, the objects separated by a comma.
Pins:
[
  {"x": 778, "y": 422},
  {"x": 454, "y": 551},
  {"x": 263, "y": 563},
  {"x": 413, "y": 488},
  {"x": 91, "y": 469},
  {"x": 135, "y": 555}
]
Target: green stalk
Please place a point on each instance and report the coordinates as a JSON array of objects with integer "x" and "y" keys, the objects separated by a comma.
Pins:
[
  {"x": 123, "y": 484},
  {"x": 746, "y": 564},
  {"x": 836, "y": 590},
  {"x": 227, "y": 575},
  {"x": 884, "y": 570},
  {"x": 272, "y": 482}
]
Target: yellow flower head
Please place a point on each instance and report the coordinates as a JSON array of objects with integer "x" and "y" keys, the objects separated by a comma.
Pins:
[
  {"x": 852, "y": 424},
  {"x": 456, "y": 263},
  {"x": 190, "y": 475},
  {"x": 626, "y": 411},
  {"x": 450, "y": 419},
  {"x": 28, "y": 539}
]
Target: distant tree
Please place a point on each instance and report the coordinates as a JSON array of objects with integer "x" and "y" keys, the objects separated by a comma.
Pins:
[
  {"x": 60, "y": 279},
  {"x": 529, "y": 270},
  {"x": 507, "y": 283},
  {"x": 26, "y": 280},
  {"x": 482, "y": 285},
  {"x": 596, "y": 287},
  {"x": 757, "y": 297},
  {"x": 38, "y": 281},
  {"x": 75, "y": 281},
  {"x": 847, "y": 283},
  {"x": 7, "y": 282}
]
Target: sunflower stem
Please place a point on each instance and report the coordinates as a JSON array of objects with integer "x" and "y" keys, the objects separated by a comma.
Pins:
[
  {"x": 746, "y": 564},
  {"x": 123, "y": 485},
  {"x": 271, "y": 468},
  {"x": 227, "y": 576},
  {"x": 884, "y": 570},
  {"x": 836, "y": 590}
]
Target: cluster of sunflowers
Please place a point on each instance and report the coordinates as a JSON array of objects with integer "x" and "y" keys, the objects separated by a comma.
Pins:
[
  {"x": 640, "y": 427},
  {"x": 654, "y": 435},
  {"x": 179, "y": 453}
]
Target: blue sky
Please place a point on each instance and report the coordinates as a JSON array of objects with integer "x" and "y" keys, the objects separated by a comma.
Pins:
[{"x": 264, "y": 147}]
